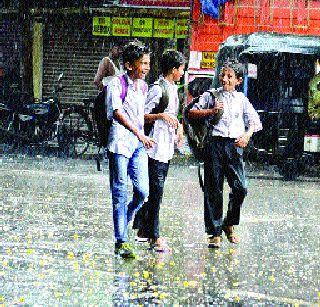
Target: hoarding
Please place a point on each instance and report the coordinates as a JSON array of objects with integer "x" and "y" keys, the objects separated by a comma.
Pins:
[
  {"x": 163, "y": 28},
  {"x": 121, "y": 26},
  {"x": 142, "y": 27},
  {"x": 101, "y": 26}
]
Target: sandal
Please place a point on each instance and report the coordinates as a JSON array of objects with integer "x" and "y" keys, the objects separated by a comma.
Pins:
[
  {"x": 214, "y": 242},
  {"x": 160, "y": 245},
  {"x": 231, "y": 234}
]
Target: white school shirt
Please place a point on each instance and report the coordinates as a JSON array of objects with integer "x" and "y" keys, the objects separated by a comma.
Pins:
[
  {"x": 163, "y": 134},
  {"x": 121, "y": 140},
  {"x": 238, "y": 113}
]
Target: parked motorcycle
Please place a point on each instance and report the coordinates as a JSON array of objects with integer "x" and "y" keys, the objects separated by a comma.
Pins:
[{"x": 46, "y": 123}]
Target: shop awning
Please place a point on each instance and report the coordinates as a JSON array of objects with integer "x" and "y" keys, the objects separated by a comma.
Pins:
[{"x": 261, "y": 42}]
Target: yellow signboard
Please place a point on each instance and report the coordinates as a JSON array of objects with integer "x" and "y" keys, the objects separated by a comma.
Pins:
[
  {"x": 163, "y": 28},
  {"x": 121, "y": 26},
  {"x": 181, "y": 29},
  {"x": 101, "y": 26},
  {"x": 208, "y": 60},
  {"x": 142, "y": 27}
]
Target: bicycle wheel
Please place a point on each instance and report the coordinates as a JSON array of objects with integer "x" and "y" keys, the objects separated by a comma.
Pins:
[{"x": 75, "y": 133}]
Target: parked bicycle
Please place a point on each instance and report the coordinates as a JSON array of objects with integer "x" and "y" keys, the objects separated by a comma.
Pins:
[{"x": 38, "y": 124}]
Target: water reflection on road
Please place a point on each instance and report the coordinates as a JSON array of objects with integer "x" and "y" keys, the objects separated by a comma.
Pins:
[{"x": 57, "y": 242}]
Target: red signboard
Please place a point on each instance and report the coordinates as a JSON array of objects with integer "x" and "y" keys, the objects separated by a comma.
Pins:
[{"x": 160, "y": 3}]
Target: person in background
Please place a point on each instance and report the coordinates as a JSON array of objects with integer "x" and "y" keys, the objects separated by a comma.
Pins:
[{"x": 109, "y": 66}]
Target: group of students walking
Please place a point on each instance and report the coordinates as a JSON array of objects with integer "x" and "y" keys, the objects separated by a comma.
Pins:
[{"x": 144, "y": 156}]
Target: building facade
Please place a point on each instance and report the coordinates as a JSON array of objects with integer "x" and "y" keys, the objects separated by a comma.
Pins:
[
  {"x": 73, "y": 36},
  {"x": 300, "y": 17}
]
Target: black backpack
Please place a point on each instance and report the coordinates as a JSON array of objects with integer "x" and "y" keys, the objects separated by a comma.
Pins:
[
  {"x": 103, "y": 124},
  {"x": 197, "y": 131},
  {"x": 163, "y": 104}
]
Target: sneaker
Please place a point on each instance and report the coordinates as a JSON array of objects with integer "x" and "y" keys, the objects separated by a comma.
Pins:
[
  {"x": 124, "y": 250},
  {"x": 214, "y": 242}
]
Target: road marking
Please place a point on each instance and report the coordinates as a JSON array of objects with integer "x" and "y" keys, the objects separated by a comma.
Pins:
[{"x": 262, "y": 296}]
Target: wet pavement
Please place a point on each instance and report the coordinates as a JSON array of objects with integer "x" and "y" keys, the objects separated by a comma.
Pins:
[{"x": 57, "y": 241}]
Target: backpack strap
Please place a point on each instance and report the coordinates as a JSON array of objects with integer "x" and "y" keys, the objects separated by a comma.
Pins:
[
  {"x": 201, "y": 182},
  {"x": 159, "y": 108},
  {"x": 164, "y": 99},
  {"x": 124, "y": 86}
]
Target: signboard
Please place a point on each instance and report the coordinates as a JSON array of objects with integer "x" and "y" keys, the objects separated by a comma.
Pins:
[
  {"x": 142, "y": 27},
  {"x": 121, "y": 26},
  {"x": 163, "y": 28},
  {"x": 252, "y": 70},
  {"x": 101, "y": 26},
  {"x": 181, "y": 29},
  {"x": 208, "y": 60},
  {"x": 159, "y": 3}
]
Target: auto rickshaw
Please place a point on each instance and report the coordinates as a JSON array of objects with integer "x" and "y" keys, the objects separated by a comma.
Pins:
[{"x": 282, "y": 81}]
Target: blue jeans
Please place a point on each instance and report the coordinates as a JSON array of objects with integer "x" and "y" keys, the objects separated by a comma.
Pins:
[{"x": 137, "y": 169}]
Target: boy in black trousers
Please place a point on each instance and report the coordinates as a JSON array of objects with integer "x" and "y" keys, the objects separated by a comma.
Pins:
[
  {"x": 165, "y": 132},
  {"x": 224, "y": 150}
]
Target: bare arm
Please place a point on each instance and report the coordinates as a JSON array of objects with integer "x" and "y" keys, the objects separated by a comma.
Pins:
[
  {"x": 171, "y": 120},
  {"x": 180, "y": 139},
  {"x": 202, "y": 113},
  {"x": 105, "y": 69},
  {"x": 147, "y": 142}
]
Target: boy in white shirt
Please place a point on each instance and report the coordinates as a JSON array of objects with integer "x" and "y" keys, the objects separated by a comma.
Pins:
[
  {"x": 127, "y": 143},
  {"x": 165, "y": 132},
  {"x": 223, "y": 153}
]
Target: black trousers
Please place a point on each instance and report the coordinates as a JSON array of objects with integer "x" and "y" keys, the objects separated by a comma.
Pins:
[
  {"x": 147, "y": 218},
  {"x": 223, "y": 159}
]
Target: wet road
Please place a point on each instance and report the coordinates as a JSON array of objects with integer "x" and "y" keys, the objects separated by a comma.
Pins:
[{"x": 57, "y": 242}]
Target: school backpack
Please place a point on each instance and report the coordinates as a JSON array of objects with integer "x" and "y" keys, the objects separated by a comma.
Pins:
[
  {"x": 163, "y": 104},
  {"x": 104, "y": 124},
  {"x": 196, "y": 131}
]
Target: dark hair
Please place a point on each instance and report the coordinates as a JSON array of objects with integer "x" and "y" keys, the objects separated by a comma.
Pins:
[
  {"x": 236, "y": 66},
  {"x": 199, "y": 85},
  {"x": 134, "y": 51},
  {"x": 171, "y": 59}
]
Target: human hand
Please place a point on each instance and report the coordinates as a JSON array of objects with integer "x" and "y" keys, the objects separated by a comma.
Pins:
[
  {"x": 171, "y": 120},
  {"x": 180, "y": 138},
  {"x": 218, "y": 106},
  {"x": 242, "y": 141},
  {"x": 146, "y": 141}
]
